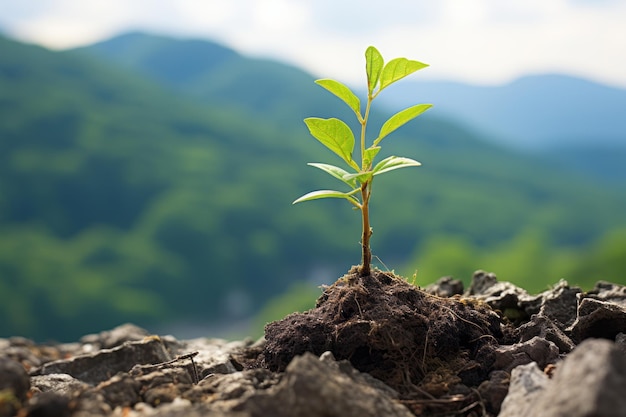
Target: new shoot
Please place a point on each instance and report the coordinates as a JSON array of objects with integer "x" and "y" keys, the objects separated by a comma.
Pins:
[{"x": 338, "y": 137}]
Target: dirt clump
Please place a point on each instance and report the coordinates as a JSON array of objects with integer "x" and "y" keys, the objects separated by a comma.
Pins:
[{"x": 433, "y": 351}]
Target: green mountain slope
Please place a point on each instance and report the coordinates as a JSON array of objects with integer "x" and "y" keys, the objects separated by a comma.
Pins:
[
  {"x": 111, "y": 182},
  {"x": 124, "y": 197},
  {"x": 212, "y": 73},
  {"x": 441, "y": 144}
]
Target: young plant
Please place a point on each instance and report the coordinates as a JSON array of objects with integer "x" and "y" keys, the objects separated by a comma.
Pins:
[{"x": 337, "y": 136}]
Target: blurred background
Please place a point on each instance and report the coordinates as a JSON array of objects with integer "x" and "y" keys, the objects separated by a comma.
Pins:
[{"x": 150, "y": 152}]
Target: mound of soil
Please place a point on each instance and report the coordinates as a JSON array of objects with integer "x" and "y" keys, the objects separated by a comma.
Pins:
[{"x": 421, "y": 345}]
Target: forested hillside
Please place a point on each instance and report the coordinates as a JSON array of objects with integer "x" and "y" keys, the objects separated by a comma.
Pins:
[{"x": 150, "y": 180}]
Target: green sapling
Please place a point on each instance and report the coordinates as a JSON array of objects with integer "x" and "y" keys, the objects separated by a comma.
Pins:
[{"x": 337, "y": 136}]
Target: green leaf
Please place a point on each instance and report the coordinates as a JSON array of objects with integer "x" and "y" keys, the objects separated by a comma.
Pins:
[
  {"x": 336, "y": 172},
  {"x": 361, "y": 177},
  {"x": 373, "y": 66},
  {"x": 335, "y": 135},
  {"x": 316, "y": 195},
  {"x": 370, "y": 154},
  {"x": 394, "y": 162},
  {"x": 398, "y": 68},
  {"x": 344, "y": 93},
  {"x": 400, "y": 119}
]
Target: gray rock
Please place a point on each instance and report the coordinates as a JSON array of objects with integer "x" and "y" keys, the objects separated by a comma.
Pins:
[
  {"x": 26, "y": 352},
  {"x": 110, "y": 338},
  {"x": 445, "y": 287},
  {"x": 512, "y": 301},
  {"x": 13, "y": 378},
  {"x": 606, "y": 291},
  {"x": 557, "y": 304},
  {"x": 49, "y": 404},
  {"x": 313, "y": 388},
  {"x": 598, "y": 319},
  {"x": 560, "y": 304},
  {"x": 527, "y": 384},
  {"x": 164, "y": 385},
  {"x": 226, "y": 390},
  {"x": 494, "y": 390},
  {"x": 359, "y": 377},
  {"x": 537, "y": 349},
  {"x": 14, "y": 384},
  {"x": 589, "y": 382},
  {"x": 482, "y": 282},
  {"x": 620, "y": 342},
  {"x": 541, "y": 326},
  {"x": 183, "y": 408},
  {"x": 62, "y": 384},
  {"x": 102, "y": 365},
  {"x": 91, "y": 403},
  {"x": 120, "y": 390},
  {"x": 215, "y": 355}
]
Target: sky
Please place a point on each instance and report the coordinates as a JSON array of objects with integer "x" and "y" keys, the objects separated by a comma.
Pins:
[{"x": 483, "y": 42}]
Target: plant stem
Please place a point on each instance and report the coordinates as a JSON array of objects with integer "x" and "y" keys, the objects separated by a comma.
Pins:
[
  {"x": 367, "y": 230},
  {"x": 366, "y": 258}
]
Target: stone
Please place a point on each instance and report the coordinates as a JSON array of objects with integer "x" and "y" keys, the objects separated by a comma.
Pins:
[
  {"x": 182, "y": 408},
  {"x": 120, "y": 390},
  {"x": 590, "y": 382},
  {"x": 62, "y": 384},
  {"x": 527, "y": 384},
  {"x": 598, "y": 319},
  {"x": 607, "y": 291},
  {"x": 494, "y": 390},
  {"x": 14, "y": 385},
  {"x": 221, "y": 392},
  {"x": 360, "y": 377},
  {"x": 13, "y": 378},
  {"x": 215, "y": 355},
  {"x": 512, "y": 301},
  {"x": 111, "y": 338},
  {"x": 102, "y": 365},
  {"x": 313, "y": 388},
  {"x": 445, "y": 287},
  {"x": 482, "y": 282},
  {"x": 541, "y": 326},
  {"x": 537, "y": 349},
  {"x": 164, "y": 385},
  {"x": 620, "y": 342},
  {"x": 27, "y": 353},
  {"x": 49, "y": 404},
  {"x": 91, "y": 403},
  {"x": 559, "y": 304}
]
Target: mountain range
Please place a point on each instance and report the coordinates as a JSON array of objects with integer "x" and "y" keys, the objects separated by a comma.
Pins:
[
  {"x": 148, "y": 179},
  {"x": 533, "y": 112},
  {"x": 575, "y": 123}
]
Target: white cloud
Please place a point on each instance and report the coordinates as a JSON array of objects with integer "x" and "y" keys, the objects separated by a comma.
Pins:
[{"x": 483, "y": 41}]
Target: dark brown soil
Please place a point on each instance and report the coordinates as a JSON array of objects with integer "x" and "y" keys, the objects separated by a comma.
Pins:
[{"x": 433, "y": 351}]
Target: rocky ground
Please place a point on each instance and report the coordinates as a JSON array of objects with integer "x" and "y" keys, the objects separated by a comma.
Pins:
[{"x": 372, "y": 346}]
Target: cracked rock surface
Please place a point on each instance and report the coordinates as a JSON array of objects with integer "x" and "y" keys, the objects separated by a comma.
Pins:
[{"x": 372, "y": 346}]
